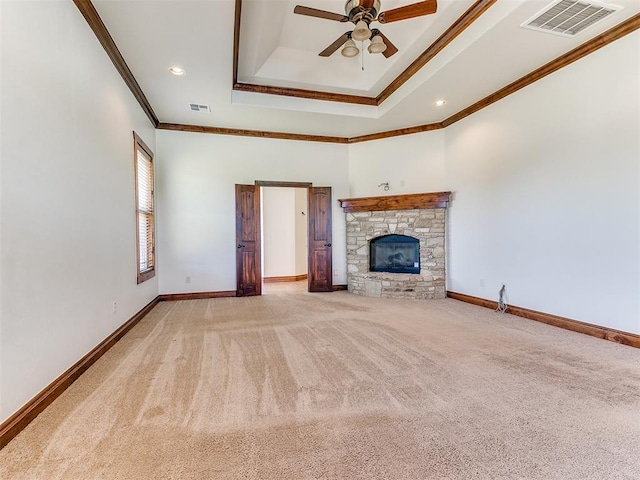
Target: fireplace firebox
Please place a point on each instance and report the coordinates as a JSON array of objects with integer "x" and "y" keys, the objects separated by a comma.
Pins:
[{"x": 394, "y": 254}]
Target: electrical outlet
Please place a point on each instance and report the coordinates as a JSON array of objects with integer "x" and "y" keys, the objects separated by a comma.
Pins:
[
  {"x": 187, "y": 279},
  {"x": 115, "y": 307}
]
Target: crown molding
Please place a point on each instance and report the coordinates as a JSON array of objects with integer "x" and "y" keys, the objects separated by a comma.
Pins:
[
  {"x": 179, "y": 127},
  {"x": 396, "y": 133},
  {"x": 615, "y": 33},
  {"x": 300, "y": 93},
  {"x": 596, "y": 43},
  {"x": 90, "y": 14},
  {"x": 459, "y": 26}
]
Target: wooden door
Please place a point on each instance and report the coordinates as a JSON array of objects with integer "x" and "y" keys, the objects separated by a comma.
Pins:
[
  {"x": 248, "y": 265},
  {"x": 320, "y": 258}
]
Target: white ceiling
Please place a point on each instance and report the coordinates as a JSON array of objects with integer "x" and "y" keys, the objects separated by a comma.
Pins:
[
  {"x": 287, "y": 55},
  {"x": 279, "y": 48}
]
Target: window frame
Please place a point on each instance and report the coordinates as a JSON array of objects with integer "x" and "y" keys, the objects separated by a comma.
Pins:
[{"x": 146, "y": 274}]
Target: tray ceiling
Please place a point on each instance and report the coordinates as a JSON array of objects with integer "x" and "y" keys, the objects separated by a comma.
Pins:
[{"x": 278, "y": 50}]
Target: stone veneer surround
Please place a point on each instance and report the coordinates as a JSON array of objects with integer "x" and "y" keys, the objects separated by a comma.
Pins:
[{"x": 426, "y": 224}]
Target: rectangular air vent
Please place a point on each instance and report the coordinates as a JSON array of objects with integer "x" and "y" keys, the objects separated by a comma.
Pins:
[
  {"x": 569, "y": 17},
  {"x": 196, "y": 107}
]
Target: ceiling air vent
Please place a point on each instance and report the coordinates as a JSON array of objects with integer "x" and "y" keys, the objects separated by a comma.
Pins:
[
  {"x": 569, "y": 17},
  {"x": 196, "y": 107}
]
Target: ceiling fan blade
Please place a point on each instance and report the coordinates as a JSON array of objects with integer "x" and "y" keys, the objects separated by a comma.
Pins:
[
  {"x": 327, "y": 52},
  {"x": 391, "y": 48},
  {"x": 314, "y": 12},
  {"x": 409, "y": 11}
]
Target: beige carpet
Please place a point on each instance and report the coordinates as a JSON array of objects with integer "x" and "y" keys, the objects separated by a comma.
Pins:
[{"x": 335, "y": 386}]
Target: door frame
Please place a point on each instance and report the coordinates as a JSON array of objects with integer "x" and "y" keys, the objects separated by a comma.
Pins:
[{"x": 270, "y": 183}]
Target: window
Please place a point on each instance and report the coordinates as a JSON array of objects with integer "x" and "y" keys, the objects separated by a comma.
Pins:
[{"x": 145, "y": 234}]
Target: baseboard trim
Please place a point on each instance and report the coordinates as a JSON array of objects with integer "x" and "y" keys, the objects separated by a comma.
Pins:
[
  {"x": 292, "y": 278},
  {"x": 172, "y": 297},
  {"x": 337, "y": 288},
  {"x": 618, "y": 336},
  {"x": 23, "y": 417}
]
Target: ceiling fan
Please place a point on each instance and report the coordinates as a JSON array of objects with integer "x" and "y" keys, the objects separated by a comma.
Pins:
[{"x": 361, "y": 13}]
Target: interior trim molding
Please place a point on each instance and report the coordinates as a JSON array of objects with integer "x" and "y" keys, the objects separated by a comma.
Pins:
[
  {"x": 90, "y": 14},
  {"x": 615, "y": 33},
  {"x": 302, "y": 93},
  {"x": 172, "y": 297},
  {"x": 271, "y": 183},
  {"x": 236, "y": 39},
  {"x": 459, "y": 26},
  {"x": 25, "y": 415},
  {"x": 95, "y": 22},
  {"x": 179, "y": 127},
  {"x": 396, "y": 133},
  {"x": 577, "y": 53},
  {"x": 396, "y": 202},
  {"x": 291, "y": 278},
  {"x": 618, "y": 336}
]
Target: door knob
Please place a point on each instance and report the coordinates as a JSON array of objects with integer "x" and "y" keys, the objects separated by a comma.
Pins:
[
  {"x": 240, "y": 245},
  {"x": 327, "y": 244}
]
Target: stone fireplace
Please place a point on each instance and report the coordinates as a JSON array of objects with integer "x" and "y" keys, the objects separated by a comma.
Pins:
[{"x": 396, "y": 219}]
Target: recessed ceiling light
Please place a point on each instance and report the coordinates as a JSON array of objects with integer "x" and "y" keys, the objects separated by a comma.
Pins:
[
  {"x": 177, "y": 71},
  {"x": 439, "y": 103}
]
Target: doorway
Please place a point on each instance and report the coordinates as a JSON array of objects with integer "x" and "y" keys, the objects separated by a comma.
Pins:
[
  {"x": 284, "y": 239},
  {"x": 249, "y": 237}
]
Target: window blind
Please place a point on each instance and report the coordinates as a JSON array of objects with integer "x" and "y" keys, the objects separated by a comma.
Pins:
[{"x": 145, "y": 213}]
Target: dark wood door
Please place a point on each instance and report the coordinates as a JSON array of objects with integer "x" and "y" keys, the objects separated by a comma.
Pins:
[
  {"x": 320, "y": 258},
  {"x": 248, "y": 265}
]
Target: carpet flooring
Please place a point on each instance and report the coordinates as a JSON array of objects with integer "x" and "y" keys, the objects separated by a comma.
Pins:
[{"x": 336, "y": 386}]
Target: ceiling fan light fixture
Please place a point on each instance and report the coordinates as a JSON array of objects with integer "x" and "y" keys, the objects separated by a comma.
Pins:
[
  {"x": 377, "y": 45},
  {"x": 361, "y": 32},
  {"x": 350, "y": 49}
]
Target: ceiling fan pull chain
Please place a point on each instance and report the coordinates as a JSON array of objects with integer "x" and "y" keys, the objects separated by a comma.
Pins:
[{"x": 362, "y": 53}]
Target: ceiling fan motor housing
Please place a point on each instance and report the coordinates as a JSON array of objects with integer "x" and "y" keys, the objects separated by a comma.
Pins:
[{"x": 355, "y": 10}]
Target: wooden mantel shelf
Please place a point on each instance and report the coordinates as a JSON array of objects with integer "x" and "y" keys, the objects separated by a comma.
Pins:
[{"x": 396, "y": 202}]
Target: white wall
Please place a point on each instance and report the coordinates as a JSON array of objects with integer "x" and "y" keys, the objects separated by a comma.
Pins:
[
  {"x": 545, "y": 200},
  {"x": 67, "y": 208},
  {"x": 302, "y": 244},
  {"x": 284, "y": 231},
  {"x": 546, "y": 188},
  {"x": 279, "y": 231},
  {"x": 410, "y": 163},
  {"x": 195, "y": 179}
]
